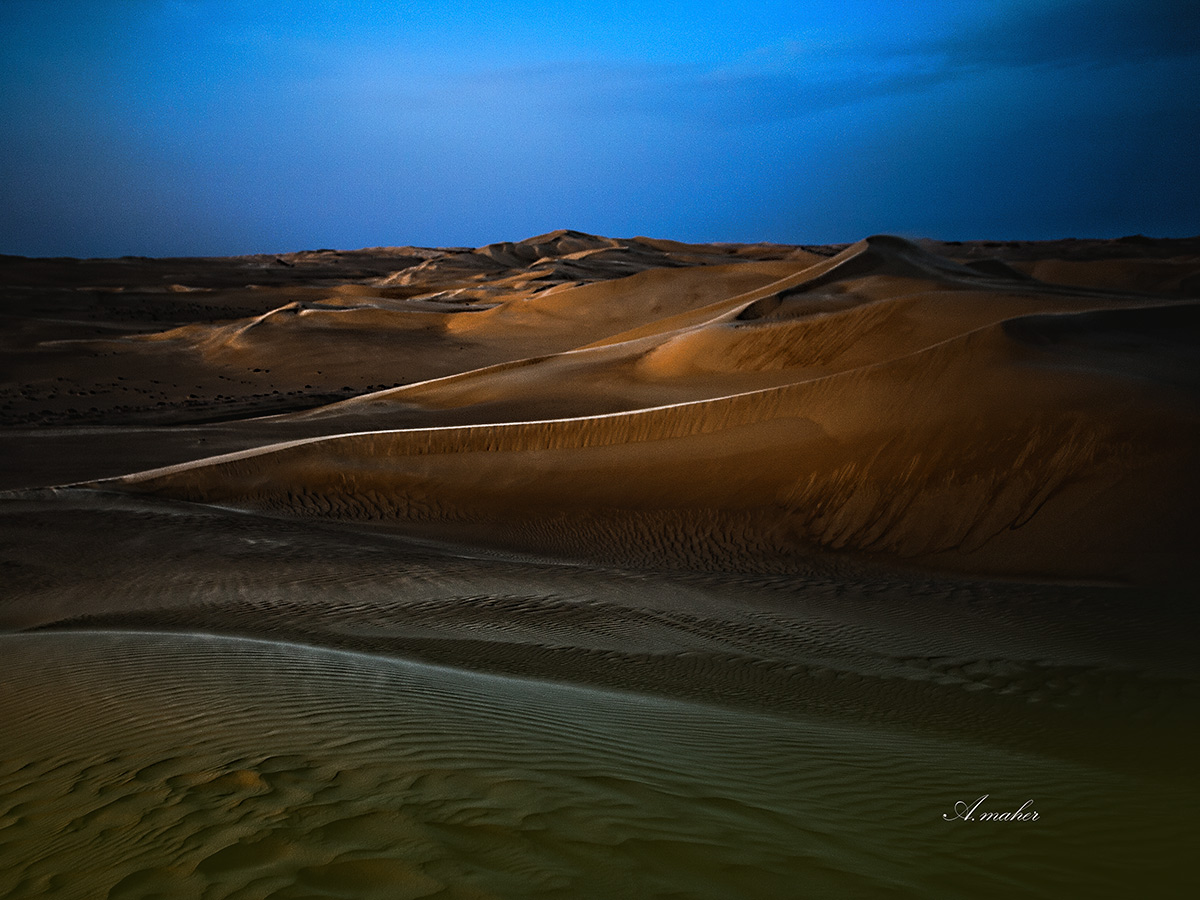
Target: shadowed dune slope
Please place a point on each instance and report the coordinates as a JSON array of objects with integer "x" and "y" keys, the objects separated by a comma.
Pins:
[
  {"x": 595, "y": 567},
  {"x": 915, "y": 411},
  {"x": 432, "y": 337},
  {"x": 800, "y": 328},
  {"x": 954, "y": 406}
]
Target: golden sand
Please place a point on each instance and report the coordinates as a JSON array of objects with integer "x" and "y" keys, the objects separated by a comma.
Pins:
[{"x": 585, "y": 567}]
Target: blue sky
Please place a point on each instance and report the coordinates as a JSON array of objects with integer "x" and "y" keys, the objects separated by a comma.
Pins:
[{"x": 195, "y": 127}]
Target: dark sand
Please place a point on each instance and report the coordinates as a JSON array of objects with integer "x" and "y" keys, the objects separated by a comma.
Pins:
[{"x": 583, "y": 567}]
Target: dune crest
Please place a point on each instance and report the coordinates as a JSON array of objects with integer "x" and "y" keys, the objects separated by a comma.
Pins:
[
  {"x": 600, "y": 567},
  {"x": 879, "y": 402}
]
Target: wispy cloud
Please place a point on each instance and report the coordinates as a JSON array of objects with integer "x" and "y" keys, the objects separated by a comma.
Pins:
[
  {"x": 1099, "y": 33},
  {"x": 814, "y": 114},
  {"x": 801, "y": 78}
]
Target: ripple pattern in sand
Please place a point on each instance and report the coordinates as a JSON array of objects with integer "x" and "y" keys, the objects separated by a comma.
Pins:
[{"x": 200, "y": 766}]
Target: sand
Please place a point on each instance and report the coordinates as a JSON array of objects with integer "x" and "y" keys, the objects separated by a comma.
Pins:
[
  {"x": 579, "y": 566},
  {"x": 883, "y": 402}
]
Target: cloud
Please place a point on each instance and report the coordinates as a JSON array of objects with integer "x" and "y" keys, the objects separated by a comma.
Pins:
[
  {"x": 1036, "y": 34},
  {"x": 802, "y": 78},
  {"x": 689, "y": 95},
  {"x": 1080, "y": 32}
]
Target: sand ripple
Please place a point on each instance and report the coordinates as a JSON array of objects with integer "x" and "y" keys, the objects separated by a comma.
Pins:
[
  {"x": 192, "y": 766},
  {"x": 579, "y": 567}
]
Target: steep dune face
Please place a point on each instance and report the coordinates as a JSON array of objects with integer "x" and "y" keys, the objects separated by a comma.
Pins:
[
  {"x": 428, "y": 335},
  {"x": 915, "y": 510},
  {"x": 1158, "y": 276},
  {"x": 918, "y": 412},
  {"x": 738, "y": 407},
  {"x": 572, "y": 316},
  {"x": 707, "y": 332}
]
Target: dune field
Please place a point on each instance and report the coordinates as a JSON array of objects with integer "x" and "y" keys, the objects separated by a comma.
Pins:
[{"x": 591, "y": 567}]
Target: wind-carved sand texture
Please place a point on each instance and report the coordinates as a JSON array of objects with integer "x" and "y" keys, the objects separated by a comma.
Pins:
[
  {"x": 786, "y": 414},
  {"x": 584, "y": 567}
]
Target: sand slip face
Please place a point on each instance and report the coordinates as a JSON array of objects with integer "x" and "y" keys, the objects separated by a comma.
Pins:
[
  {"x": 884, "y": 402},
  {"x": 584, "y": 567}
]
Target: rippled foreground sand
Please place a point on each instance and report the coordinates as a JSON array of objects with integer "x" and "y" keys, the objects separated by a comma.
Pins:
[{"x": 591, "y": 568}]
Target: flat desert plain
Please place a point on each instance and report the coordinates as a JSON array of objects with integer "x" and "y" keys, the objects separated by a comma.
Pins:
[{"x": 591, "y": 567}]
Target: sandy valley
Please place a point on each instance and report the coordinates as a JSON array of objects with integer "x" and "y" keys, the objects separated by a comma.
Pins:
[{"x": 582, "y": 566}]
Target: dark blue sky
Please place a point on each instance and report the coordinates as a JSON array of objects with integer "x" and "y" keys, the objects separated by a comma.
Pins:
[{"x": 165, "y": 127}]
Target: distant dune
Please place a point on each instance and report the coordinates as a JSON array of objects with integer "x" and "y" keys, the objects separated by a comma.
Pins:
[
  {"x": 667, "y": 405},
  {"x": 601, "y": 567}
]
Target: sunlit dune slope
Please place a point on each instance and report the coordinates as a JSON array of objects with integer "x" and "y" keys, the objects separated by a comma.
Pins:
[
  {"x": 886, "y": 403},
  {"x": 429, "y": 336},
  {"x": 877, "y": 301}
]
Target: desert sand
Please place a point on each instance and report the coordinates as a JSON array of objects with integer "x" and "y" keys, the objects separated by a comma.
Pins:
[{"x": 582, "y": 566}]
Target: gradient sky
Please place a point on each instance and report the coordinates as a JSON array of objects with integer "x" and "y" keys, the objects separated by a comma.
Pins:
[{"x": 197, "y": 127}]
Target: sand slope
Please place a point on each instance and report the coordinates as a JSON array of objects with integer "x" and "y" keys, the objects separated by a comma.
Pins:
[
  {"x": 883, "y": 402},
  {"x": 593, "y": 567}
]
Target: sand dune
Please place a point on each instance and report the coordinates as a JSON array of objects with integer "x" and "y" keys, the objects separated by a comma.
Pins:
[
  {"x": 883, "y": 402},
  {"x": 294, "y": 771},
  {"x": 592, "y": 567},
  {"x": 723, "y": 407},
  {"x": 204, "y": 702}
]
